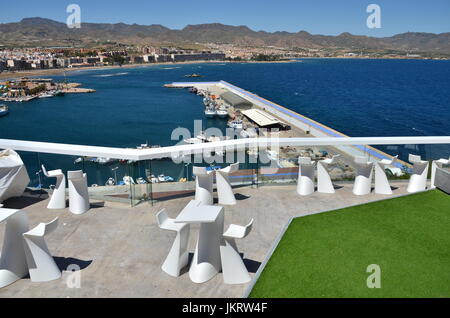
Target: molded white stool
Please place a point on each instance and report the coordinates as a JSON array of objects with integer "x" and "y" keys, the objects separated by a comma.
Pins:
[
  {"x": 203, "y": 185},
  {"x": 78, "y": 192},
  {"x": 363, "y": 179},
  {"x": 13, "y": 264},
  {"x": 305, "y": 183},
  {"x": 206, "y": 262},
  {"x": 233, "y": 268},
  {"x": 324, "y": 184},
  {"x": 178, "y": 256},
  {"x": 434, "y": 165},
  {"x": 58, "y": 198},
  {"x": 418, "y": 180},
  {"x": 41, "y": 265},
  {"x": 381, "y": 181},
  {"x": 224, "y": 189}
]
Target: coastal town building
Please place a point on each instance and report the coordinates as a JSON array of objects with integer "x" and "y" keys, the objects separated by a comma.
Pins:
[{"x": 33, "y": 59}]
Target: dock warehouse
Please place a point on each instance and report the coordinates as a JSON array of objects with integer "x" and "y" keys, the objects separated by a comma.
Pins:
[
  {"x": 236, "y": 101},
  {"x": 263, "y": 119}
]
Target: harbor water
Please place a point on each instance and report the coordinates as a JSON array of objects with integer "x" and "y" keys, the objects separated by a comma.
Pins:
[{"x": 130, "y": 106}]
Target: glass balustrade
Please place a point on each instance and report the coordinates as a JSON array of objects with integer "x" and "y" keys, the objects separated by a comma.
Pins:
[{"x": 150, "y": 181}]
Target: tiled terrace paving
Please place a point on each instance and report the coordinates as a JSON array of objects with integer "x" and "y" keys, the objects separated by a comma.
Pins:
[{"x": 120, "y": 249}]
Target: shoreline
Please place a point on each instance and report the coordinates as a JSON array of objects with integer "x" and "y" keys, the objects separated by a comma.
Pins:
[{"x": 60, "y": 71}]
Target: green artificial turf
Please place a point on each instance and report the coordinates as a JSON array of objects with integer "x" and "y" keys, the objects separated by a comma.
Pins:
[{"x": 327, "y": 254}]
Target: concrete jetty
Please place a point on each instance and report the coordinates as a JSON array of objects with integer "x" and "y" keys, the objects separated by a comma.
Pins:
[{"x": 312, "y": 127}]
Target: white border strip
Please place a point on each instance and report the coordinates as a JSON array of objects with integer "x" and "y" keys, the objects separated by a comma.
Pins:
[{"x": 235, "y": 144}]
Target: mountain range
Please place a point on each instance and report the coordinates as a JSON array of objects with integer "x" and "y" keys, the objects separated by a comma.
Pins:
[{"x": 45, "y": 32}]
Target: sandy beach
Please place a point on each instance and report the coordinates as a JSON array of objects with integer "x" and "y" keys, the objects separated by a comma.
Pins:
[{"x": 60, "y": 71}]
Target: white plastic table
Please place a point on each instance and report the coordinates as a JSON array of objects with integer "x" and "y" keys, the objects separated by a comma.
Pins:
[
  {"x": 13, "y": 263},
  {"x": 206, "y": 262}
]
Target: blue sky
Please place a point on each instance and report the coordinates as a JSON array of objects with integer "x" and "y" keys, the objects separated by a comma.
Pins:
[{"x": 329, "y": 17}]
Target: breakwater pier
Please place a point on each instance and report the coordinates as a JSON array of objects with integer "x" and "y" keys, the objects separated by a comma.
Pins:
[{"x": 306, "y": 125}]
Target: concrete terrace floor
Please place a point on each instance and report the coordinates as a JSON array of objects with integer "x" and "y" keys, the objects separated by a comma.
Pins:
[{"x": 120, "y": 249}]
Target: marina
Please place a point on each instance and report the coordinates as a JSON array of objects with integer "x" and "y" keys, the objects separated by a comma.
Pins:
[
  {"x": 138, "y": 124},
  {"x": 262, "y": 113},
  {"x": 4, "y": 110},
  {"x": 27, "y": 89}
]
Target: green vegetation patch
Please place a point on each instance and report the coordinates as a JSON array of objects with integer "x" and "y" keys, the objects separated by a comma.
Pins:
[{"x": 327, "y": 254}]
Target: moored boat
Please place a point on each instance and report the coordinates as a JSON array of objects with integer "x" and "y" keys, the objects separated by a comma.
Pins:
[
  {"x": 128, "y": 180},
  {"x": 141, "y": 180},
  {"x": 102, "y": 160},
  {"x": 46, "y": 95},
  {"x": 153, "y": 179},
  {"x": 193, "y": 75},
  {"x": 236, "y": 124},
  {"x": 210, "y": 112},
  {"x": 4, "y": 110},
  {"x": 163, "y": 178},
  {"x": 222, "y": 112},
  {"x": 193, "y": 141}
]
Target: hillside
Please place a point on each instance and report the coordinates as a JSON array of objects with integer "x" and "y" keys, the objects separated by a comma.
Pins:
[{"x": 45, "y": 32}]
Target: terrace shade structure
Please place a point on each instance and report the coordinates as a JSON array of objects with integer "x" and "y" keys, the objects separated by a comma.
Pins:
[{"x": 236, "y": 101}]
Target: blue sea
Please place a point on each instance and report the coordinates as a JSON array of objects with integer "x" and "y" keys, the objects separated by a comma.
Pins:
[{"x": 130, "y": 106}]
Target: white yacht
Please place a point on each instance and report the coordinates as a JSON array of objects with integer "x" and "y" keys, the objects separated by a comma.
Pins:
[
  {"x": 210, "y": 112},
  {"x": 193, "y": 141},
  {"x": 110, "y": 182},
  {"x": 206, "y": 101},
  {"x": 102, "y": 160},
  {"x": 141, "y": 180},
  {"x": 46, "y": 95},
  {"x": 153, "y": 179},
  {"x": 236, "y": 124},
  {"x": 128, "y": 180},
  {"x": 3, "y": 110},
  {"x": 163, "y": 178},
  {"x": 222, "y": 112}
]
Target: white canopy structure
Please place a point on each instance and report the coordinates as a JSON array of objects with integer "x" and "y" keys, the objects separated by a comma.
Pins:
[{"x": 13, "y": 175}]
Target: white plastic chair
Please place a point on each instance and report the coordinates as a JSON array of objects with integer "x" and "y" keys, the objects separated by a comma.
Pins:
[
  {"x": 382, "y": 185},
  {"x": 224, "y": 189},
  {"x": 203, "y": 185},
  {"x": 418, "y": 180},
  {"x": 434, "y": 165},
  {"x": 58, "y": 198},
  {"x": 324, "y": 184},
  {"x": 305, "y": 183},
  {"x": 233, "y": 268},
  {"x": 13, "y": 264},
  {"x": 363, "y": 179},
  {"x": 41, "y": 265},
  {"x": 178, "y": 256},
  {"x": 78, "y": 192}
]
